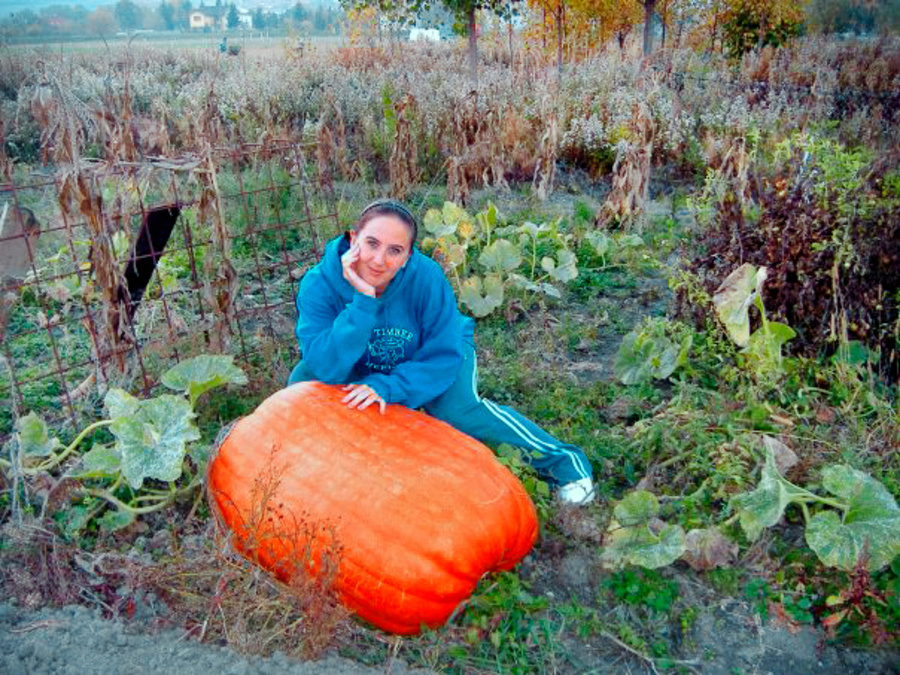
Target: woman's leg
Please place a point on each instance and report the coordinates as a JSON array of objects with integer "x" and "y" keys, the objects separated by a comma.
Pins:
[{"x": 461, "y": 406}]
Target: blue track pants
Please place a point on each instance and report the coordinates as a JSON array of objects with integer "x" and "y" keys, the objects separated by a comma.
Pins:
[{"x": 460, "y": 406}]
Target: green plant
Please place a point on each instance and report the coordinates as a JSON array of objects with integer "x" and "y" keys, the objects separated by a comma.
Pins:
[
  {"x": 637, "y": 537},
  {"x": 485, "y": 259},
  {"x": 859, "y": 525},
  {"x": 654, "y": 350},
  {"x": 151, "y": 440},
  {"x": 762, "y": 348},
  {"x": 642, "y": 588}
]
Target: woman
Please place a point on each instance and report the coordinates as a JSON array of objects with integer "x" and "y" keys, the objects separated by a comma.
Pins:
[{"x": 380, "y": 317}]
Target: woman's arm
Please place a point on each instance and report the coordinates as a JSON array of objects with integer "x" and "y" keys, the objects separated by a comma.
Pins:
[{"x": 333, "y": 335}]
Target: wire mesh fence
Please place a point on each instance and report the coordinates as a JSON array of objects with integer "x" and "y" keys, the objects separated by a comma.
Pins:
[{"x": 112, "y": 272}]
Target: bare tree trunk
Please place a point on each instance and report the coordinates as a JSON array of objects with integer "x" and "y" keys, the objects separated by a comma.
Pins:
[
  {"x": 473, "y": 49},
  {"x": 559, "y": 42},
  {"x": 649, "y": 6}
]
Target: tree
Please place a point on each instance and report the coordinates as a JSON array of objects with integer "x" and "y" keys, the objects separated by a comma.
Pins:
[
  {"x": 259, "y": 19},
  {"x": 128, "y": 15},
  {"x": 649, "y": 8},
  {"x": 101, "y": 23},
  {"x": 167, "y": 14},
  {"x": 299, "y": 13},
  {"x": 233, "y": 19}
]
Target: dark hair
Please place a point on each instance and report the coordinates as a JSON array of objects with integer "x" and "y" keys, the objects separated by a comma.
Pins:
[{"x": 388, "y": 207}]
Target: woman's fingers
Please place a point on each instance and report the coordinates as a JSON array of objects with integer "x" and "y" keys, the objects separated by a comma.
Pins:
[
  {"x": 361, "y": 396},
  {"x": 348, "y": 263}
]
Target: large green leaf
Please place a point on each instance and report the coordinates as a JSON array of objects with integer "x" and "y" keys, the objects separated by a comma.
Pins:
[
  {"x": 101, "y": 461},
  {"x": 764, "y": 506},
  {"x": 501, "y": 256},
  {"x": 152, "y": 441},
  {"x": 435, "y": 225},
  {"x": 733, "y": 298},
  {"x": 564, "y": 268},
  {"x": 454, "y": 215},
  {"x": 34, "y": 437},
  {"x": 642, "y": 357},
  {"x": 639, "y": 546},
  {"x": 482, "y": 298},
  {"x": 636, "y": 508},
  {"x": 870, "y": 526},
  {"x": 116, "y": 519},
  {"x": 600, "y": 242},
  {"x": 198, "y": 375}
]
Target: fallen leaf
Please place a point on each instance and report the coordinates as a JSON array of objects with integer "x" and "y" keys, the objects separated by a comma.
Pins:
[
  {"x": 708, "y": 548},
  {"x": 785, "y": 458}
]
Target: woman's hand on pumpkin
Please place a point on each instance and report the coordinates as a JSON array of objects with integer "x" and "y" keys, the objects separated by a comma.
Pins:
[
  {"x": 361, "y": 396},
  {"x": 348, "y": 262}
]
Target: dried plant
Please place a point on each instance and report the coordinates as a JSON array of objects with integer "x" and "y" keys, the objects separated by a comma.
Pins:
[
  {"x": 403, "y": 169},
  {"x": 631, "y": 173}
]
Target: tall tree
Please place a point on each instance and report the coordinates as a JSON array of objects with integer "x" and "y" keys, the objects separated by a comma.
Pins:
[
  {"x": 128, "y": 15},
  {"x": 259, "y": 19},
  {"x": 649, "y": 8},
  {"x": 167, "y": 14},
  {"x": 233, "y": 19}
]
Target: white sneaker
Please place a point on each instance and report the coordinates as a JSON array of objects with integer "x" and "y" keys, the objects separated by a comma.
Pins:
[{"x": 578, "y": 492}]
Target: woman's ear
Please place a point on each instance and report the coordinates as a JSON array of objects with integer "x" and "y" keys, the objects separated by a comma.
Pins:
[{"x": 352, "y": 236}]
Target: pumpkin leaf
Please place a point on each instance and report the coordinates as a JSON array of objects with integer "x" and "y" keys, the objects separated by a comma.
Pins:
[
  {"x": 532, "y": 230},
  {"x": 34, "y": 437},
  {"x": 870, "y": 526},
  {"x": 152, "y": 441},
  {"x": 764, "y": 506},
  {"x": 501, "y": 256},
  {"x": 565, "y": 269},
  {"x": 636, "y": 508},
  {"x": 453, "y": 215},
  {"x": 115, "y": 520},
  {"x": 489, "y": 217},
  {"x": 198, "y": 375},
  {"x": 631, "y": 241},
  {"x": 640, "y": 546},
  {"x": 482, "y": 298},
  {"x": 643, "y": 356},
  {"x": 708, "y": 548},
  {"x": 600, "y": 242},
  {"x": 101, "y": 461},
  {"x": 73, "y": 519},
  {"x": 120, "y": 403},
  {"x": 733, "y": 298},
  {"x": 436, "y": 226}
]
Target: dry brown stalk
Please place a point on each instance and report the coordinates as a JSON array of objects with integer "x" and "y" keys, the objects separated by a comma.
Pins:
[
  {"x": 77, "y": 197},
  {"x": 404, "y": 153},
  {"x": 220, "y": 283},
  {"x": 253, "y": 611},
  {"x": 545, "y": 168},
  {"x": 631, "y": 173}
]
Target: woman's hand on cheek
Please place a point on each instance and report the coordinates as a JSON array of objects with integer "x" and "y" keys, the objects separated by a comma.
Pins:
[
  {"x": 349, "y": 261},
  {"x": 361, "y": 396}
]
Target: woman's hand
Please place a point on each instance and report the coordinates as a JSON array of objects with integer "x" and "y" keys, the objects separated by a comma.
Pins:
[
  {"x": 361, "y": 396},
  {"x": 348, "y": 262}
]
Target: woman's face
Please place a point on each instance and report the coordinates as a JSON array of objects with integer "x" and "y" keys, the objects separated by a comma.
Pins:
[{"x": 385, "y": 244}]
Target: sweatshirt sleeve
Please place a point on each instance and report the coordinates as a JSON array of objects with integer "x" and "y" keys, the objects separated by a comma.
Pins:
[
  {"x": 436, "y": 363},
  {"x": 332, "y": 337}
]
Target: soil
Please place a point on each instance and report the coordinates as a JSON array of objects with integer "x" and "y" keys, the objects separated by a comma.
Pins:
[{"x": 78, "y": 640}]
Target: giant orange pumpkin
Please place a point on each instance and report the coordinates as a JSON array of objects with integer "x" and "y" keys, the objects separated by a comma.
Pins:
[{"x": 420, "y": 510}]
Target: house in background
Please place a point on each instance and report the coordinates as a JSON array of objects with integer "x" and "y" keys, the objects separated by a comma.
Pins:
[{"x": 209, "y": 18}]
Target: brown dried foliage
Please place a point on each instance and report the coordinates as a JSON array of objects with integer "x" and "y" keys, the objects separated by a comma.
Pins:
[
  {"x": 825, "y": 292},
  {"x": 227, "y": 598},
  {"x": 631, "y": 173},
  {"x": 403, "y": 169}
]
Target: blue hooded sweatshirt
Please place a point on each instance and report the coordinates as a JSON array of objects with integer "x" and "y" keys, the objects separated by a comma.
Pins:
[{"x": 405, "y": 344}]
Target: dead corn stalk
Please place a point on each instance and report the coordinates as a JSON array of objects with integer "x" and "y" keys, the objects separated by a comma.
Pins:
[
  {"x": 631, "y": 173},
  {"x": 404, "y": 153}
]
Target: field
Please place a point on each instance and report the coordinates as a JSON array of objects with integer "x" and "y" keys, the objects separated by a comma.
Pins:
[{"x": 688, "y": 265}]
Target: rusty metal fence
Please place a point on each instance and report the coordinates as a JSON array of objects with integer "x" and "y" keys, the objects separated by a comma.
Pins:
[{"x": 111, "y": 273}]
